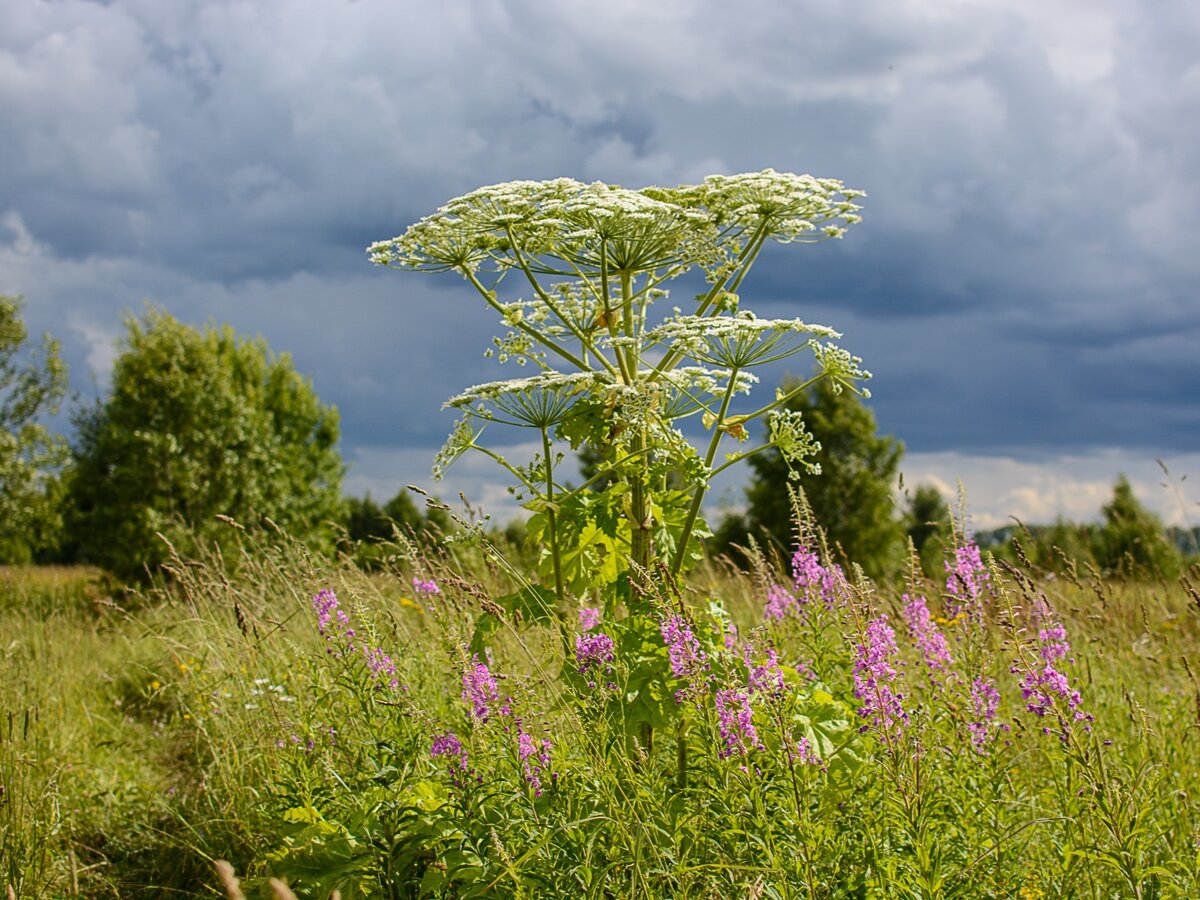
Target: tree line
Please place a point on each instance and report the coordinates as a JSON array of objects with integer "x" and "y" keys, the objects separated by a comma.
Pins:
[
  {"x": 854, "y": 500},
  {"x": 201, "y": 423},
  {"x": 198, "y": 423}
]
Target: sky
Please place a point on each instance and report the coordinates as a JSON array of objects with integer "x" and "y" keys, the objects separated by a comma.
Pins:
[{"x": 1023, "y": 285}]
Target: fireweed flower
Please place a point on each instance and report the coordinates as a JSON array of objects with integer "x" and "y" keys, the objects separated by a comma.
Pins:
[
  {"x": 801, "y": 751},
  {"x": 873, "y": 678},
  {"x": 455, "y": 755},
  {"x": 735, "y": 721},
  {"x": 589, "y": 618},
  {"x": 381, "y": 666},
  {"x": 1045, "y": 689},
  {"x": 1054, "y": 645},
  {"x": 534, "y": 757},
  {"x": 813, "y": 581},
  {"x": 965, "y": 582},
  {"x": 688, "y": 660},
  {"x": 763, "y": 677},
  {"x": 332, "y": 621},
  {"x": 334, "y": 624},
  {"x": 781, "y": 603},
  {"x": 479, "y": 690},
  {"x": 593, "y": 653},
  {"x": 426, "y": 587},
  {"x": 928, "y": 639},
  {"x": 985, "y": 701},
  {"x": 731, "y": 636}
]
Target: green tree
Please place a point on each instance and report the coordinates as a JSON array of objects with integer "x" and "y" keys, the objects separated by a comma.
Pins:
[
  {"x": 368, "y": 522},
  {"x": 200, "y": 423},
  {"x": 32, "y": 384},
  {"x": 851, "y": 498},
  {"x": 1133, "y": 542}
]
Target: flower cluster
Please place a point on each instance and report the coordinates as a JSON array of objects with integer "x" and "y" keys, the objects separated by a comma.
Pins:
[
  {"x": 326, "y": 606},
  {"x": 534, "y": 756},
  {"x": 480, "y": 692},
  {"x": 811, "y": 582},
  {"x": 735, "y": 721},
  {"x": 688, "y": 660},
  {"x": 333, "y": 623},
  {"x": 449, "y": 746},
  {"x": 966, "y": 580},
  {"x": 985, "y": 702},
  {"x": 930, "y": 641},
  {"x": 781, "y": 603},
  {"x": 739, "y": 341},
  {"x": 873, "y": 678},
  {"x": 795, "y": 443},
  {"x": 765, "y": 676},
  {"x": 802, "y": 752},
  {"x": 1045, "y": 689},
  {"x": 589, "y": 618},
  {"x": 481, "y": 695},
  {"x": 593, "y": 653},
  {"x": 426, "y": 587}
]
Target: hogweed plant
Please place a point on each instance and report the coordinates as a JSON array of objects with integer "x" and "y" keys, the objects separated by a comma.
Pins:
[{"x": 581, "y": 267}]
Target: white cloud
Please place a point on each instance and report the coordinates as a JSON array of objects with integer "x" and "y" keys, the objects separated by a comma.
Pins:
[{"x": 1072, "y": 487}]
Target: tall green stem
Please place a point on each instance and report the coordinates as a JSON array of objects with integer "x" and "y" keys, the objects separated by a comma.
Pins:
[
  {"x": 552, "y": 520},
  {"x": 490, "y": 297},
  {"x": 698, "y": 499},
  {"x": 639, "y": 506}
]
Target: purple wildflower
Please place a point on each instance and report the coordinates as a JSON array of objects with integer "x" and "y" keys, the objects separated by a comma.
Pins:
[
  {"x": 965, "y": 582},
  {"x": 381, "y": 666},
  {"x": 593, "y": 652},
  {"x": 731, "y": 636},
  {"x": 780, "y": 603},
  {"x": 928, "y": 639},
  {"x": 803, "y": 753},
  {"x": 449, "y": 746},
  {"x": 873, "y": 677},
  {"x": 426, "y": 587},
  {"x": 735, "y": 720},
  {"x": 1054, "y": 644},
  {"x": 985, "y": 701},
  {"x": 479, "y": 690},
  {"x": 334, "y": 624},
  {"x": 325, "y": 604},
  {"x": 1046, "y": 689},
  {"x": 589, "y": 618},
  {"x": 765, "y": 677},
  {"x": 535, "y": 758},
  {"x": 813, "y": 581},
  {"x": 687, "y": 657}
]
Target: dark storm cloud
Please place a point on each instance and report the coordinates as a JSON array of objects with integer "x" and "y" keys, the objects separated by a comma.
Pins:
[{"x": 1025, "y": 277}]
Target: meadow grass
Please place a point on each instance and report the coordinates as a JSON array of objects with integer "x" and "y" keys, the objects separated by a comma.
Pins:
[{"x": 836, "y": 744}]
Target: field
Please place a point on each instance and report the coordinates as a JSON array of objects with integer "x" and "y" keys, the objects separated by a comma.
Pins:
[{"x": 414, "y": 731}]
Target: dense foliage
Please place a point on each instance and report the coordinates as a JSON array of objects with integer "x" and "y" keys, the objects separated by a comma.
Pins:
[
  {"x": 850, "y": 495},
  {"x": 991, "y": 734},
  {"x": 199, "y": 423},
  {"x": 1130, "y": 541},
  {"x": 369, "y": 526},
  {"x": 31, "y": 385}
]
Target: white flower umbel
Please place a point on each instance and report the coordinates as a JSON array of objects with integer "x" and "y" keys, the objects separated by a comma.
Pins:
[
  {"x": 540, "y": 401},
  {"x": 737, "y": 342}
]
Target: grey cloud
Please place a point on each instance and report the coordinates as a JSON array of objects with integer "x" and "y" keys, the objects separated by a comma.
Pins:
[{"x": 1024, "y": 277}]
